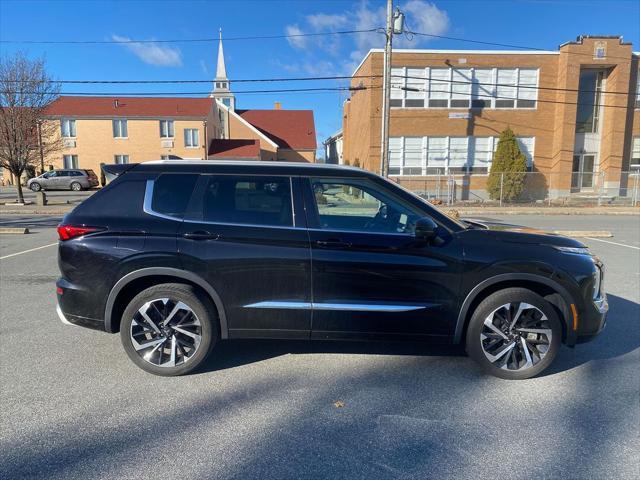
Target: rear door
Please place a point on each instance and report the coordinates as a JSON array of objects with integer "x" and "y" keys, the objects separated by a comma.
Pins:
[
  {"x": 245, "y": 235},
  {"x": 371, "y": 277}
]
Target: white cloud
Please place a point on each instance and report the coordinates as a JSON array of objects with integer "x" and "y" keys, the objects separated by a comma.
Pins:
[
  {"x": 295, "y": 42},
  {"x": 152, "y": 53},
  {"x": 421, "y": 16},
  {"x": 203, "y": 67}
]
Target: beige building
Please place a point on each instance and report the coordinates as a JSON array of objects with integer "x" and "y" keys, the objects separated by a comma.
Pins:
[
  {"x": 102, "y": 130},
  {"x": 575, "y": 112}
]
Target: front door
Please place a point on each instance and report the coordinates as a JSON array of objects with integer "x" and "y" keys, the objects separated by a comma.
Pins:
[
  {"x": 240, "y": 234},
  {"x": 371, "y": 276},
  {"x": 582, "y": 175}
]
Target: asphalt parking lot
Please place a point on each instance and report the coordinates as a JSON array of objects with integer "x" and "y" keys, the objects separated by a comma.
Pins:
[{"x": 74, "y": 406}]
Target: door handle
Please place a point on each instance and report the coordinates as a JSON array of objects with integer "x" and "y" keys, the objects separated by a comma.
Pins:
[
  {"x": 333, "y": 244},
  {"x": 201, "y": 235}
]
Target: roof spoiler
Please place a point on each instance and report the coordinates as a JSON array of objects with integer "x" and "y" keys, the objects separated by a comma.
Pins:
[{"x": 114, "y": 170}]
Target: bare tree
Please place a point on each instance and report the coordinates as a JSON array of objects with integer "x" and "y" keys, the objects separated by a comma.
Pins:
[{"x": 25, "y": 136}]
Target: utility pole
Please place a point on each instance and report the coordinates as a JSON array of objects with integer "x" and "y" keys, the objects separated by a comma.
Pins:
[
  {"x": 395, "y": 24},
  {"x": 386, "y": 92}
]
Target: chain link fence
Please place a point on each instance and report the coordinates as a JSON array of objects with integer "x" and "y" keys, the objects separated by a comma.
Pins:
[{"x": 543, "y": 189}]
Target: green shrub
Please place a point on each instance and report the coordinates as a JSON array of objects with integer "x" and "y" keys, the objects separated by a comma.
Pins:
[{"x": 510, "y": 161}]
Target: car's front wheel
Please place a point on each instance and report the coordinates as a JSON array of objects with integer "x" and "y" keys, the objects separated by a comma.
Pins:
[
  {"x": 35, "y": 187},
  {"x": 169, "y": 329},
  {"x": 514, "y": 334}
]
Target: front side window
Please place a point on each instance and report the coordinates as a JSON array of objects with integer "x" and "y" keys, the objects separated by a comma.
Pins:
[
  {"x": 68, "y": 127},
  {"x": 166, "y": 129},
  {"x": 248, "y": 200},
  {"x": 171, "y": 193},
  {"x": 121, "y": 159},
  {"x": 358, "y": 205},
  {"x": 191, "y": 137},
  {"x": 120, "y": 129},
  {"x": 70, "y": 161}
]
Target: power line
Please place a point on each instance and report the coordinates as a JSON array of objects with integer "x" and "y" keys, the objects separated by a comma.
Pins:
[
  {"x": 301, "y": 79},
  {"x": 184, "y": 40}
]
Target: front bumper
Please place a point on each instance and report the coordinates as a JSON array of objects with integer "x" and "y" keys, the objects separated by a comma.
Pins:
[{"x": 593, "y": 320}]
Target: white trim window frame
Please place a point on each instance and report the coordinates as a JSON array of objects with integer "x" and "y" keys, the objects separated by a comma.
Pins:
[
  {"x": 637, "y": 103},
  {"x": 120, "y": 128},
  {"x": 191, "y": 138},
  {"x": 634, "y": 161},
  {"x": 121, "y": 159},
  {"x": 69, "y": 161},
  {"x": 68, "y": 127},
  {"x": 167, "y": 129}
]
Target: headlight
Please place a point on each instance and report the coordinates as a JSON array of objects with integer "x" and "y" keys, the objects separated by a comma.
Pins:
[
  {"x": 597, "y": 284},
  {"x": 575, "y": 250}
]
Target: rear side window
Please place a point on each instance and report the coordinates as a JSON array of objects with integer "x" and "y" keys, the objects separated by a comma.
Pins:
[
  {"x": 249, "y": 200},
  {"x": 121, "y": 198},
  {"x": 171, "y": 193}
]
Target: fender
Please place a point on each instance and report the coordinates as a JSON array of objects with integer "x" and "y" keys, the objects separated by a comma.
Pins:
[
  {"x": 173, "y": 272},
  {"x": 501, "y": 278}
]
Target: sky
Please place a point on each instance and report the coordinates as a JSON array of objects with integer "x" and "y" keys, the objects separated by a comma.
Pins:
[{"x": 539, "y": 24}]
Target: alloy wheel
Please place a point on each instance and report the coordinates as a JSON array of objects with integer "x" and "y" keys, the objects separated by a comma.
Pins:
[
  {"x": 516, "y": 336},
  {"x": 165, "y": 332}
]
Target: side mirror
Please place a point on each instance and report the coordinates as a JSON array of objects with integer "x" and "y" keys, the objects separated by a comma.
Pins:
[{"x": 425, "y": 229}]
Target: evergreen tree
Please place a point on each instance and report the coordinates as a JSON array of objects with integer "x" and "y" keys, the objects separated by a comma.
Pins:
[{"x": 510, "y": 161}]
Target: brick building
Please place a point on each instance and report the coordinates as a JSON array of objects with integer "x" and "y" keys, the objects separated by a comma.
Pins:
[{"x": 575, "y": 112}]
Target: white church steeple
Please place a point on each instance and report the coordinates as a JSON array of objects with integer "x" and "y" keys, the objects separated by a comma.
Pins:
[{"x": 221, "y": 87}]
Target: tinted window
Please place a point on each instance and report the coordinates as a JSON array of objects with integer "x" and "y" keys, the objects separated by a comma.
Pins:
[
  {"x": 64, "y": 174},
  {"x": 360, "y": 206},
  {"x": 171, "y": 193},
  {"x": 76, "y": 174},
  {"x": 122, "y": 198},
  {"x": 248, "y": 200}
]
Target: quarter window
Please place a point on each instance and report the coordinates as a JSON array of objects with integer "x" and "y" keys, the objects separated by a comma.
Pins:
[
  {"x": 68, "y": 127},
  {"x": 166, "y": 129},
  {"x": 120, "y": 129},
  {"x": 191, "y": 137},
  {"x": 249, "y": 200},
  {"x": 70, "y": 161},
  {"x": 357, "y": 205}
]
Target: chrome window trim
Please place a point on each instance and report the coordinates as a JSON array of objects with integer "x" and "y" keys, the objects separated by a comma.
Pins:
[{"x": 346, "y": 306}]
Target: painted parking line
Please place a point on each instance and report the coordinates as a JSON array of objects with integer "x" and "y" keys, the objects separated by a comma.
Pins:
[
  {"x": 27, "y": 251},
  {"x": 613, "y": 243}
]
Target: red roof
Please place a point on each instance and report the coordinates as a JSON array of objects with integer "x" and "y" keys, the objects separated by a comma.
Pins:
[
  {"x": 293, "y": 129},
  {"x": 130, "y": 107},
  {"x": 234, "y": 148}
]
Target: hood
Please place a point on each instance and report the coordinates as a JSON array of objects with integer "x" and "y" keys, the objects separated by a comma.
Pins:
[{"x": 520, "y": 234}]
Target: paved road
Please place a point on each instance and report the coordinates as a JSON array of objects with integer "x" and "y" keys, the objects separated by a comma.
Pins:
[
  {"x": 73, "y": 406},
  {"x": 8, "y": 194}
]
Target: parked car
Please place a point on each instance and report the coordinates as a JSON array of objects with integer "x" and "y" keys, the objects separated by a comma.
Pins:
[
  {"x": 178, "y": 255},
  {"x": 68, "y": 179}
]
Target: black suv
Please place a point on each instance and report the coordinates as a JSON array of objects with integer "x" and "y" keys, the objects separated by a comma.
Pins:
[{"x": 178, "y": 255}]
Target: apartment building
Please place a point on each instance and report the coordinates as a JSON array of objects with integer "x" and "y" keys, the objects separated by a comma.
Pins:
[{"x": 575, "y": 112}]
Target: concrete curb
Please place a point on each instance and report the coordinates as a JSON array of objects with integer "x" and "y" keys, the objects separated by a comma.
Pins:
[
  {"x": 20, "y": 230},
  {"x": 585, "y": 233}
]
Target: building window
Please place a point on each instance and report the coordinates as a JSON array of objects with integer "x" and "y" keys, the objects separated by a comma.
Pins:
[
  {"x": 464, "y": 87},
  {"x": 589, "y": 99},
  {"x": 448, "y": 155},
  {"x": 634, "y": 164},
  {"x": 164, "y": 157},
  {"x": 226, "y": 102},
  {"x": 121, "y": 159},
  {"x": 68, "y": 127},
  {"x": 70, "y": 161},
  {"x": 120, "y": 129},
  {"x": 638, "y": 90},
  {"x": 166, "y": 129},
  {"x": 191, "y": 137}
]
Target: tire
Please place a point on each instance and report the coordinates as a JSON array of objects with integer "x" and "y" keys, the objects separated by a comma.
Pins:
[
  {"x": 75, "y": 186},
  {"x": 180, "y": 352},
  {"x": 514, "y": 353},
  {"x": 35, "y": 187}
]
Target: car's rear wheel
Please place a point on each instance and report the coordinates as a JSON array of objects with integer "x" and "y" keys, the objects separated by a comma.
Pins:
[
  {"x": 35, "y": 187},
  {"x": 76, "y": 187},
  {"x": 514, "y": 334},
  {"x": 169, "y": 329}
]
